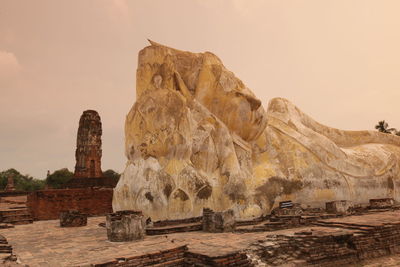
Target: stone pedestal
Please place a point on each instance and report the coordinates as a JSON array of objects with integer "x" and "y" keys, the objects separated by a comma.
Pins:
[
  {"x": 381, "y": 203},
  {"x": 72, "y": 218},
  {"x": 218, "y": 222},
  {"x": 339, "y": 207},
  {"x": 126, "y": 225}
]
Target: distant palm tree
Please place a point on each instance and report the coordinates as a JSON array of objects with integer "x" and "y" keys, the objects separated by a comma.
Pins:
[{"x": 383, "y": 127}]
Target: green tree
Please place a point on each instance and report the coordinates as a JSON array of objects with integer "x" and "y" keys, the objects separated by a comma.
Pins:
[
  {"x": 21, "y": 182},
  {"x": 58, "y": 178},
  {"x": 112, "y": 174},
  {"x": 383, "y": 127}
]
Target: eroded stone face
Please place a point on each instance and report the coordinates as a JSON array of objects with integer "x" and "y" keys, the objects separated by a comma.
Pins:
[
  {"x": 218, "y": 222},
  {"x": 125, "y": 226},
  {"x": 198, "y": 137},
  {"x": 88, "y": 146}
]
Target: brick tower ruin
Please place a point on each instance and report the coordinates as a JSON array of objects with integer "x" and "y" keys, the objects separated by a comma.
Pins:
[{"x": 88, "y": 146}]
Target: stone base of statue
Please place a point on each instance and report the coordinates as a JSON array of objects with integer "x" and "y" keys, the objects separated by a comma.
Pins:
[
  {"x": 218, "y": 222},
  {"x": 339, "y": 207},
  {"x": 126, "y": 225}
]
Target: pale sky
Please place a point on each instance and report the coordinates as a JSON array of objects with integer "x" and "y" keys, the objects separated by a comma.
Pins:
[{"x": 338, "y": 61}]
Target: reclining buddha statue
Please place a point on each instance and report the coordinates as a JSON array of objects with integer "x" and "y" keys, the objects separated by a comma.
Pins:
[{"x": 197, "y": 138}]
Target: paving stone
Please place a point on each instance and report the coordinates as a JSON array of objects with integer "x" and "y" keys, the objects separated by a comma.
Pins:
[{"x": 33, "y": 243}]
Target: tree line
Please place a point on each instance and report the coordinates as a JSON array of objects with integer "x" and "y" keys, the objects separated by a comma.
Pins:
[
  {"x": 383, "y": 127},
  {"x": 54, "y": 180}
]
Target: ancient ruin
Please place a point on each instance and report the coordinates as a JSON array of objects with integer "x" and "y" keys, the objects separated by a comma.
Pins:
[
  {"x": 339, "y": 207},
  {"x": 10, "y": 184},
  {"x": 88, "y": 146},
  {"x": 213, "y": 180},
  {"x": 123, "y": 226},
  {"x": 48, "y": 204},
  {"x": 197, "y": 138},
  {"x": 88, "y": 154},
  {"x": 218, "y": 222}
]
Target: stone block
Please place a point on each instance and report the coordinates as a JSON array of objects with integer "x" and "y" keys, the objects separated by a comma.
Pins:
[
  {"x": 381, "y": 203},
  {"x": 72, "y": 218},
  {"x": 339, "y": 206},
  {"x": 218, "y": 222},
  {"x": 126, "y": 225}
]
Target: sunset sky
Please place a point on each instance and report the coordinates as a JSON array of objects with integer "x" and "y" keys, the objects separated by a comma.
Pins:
[{"x": 338, "y": 61}]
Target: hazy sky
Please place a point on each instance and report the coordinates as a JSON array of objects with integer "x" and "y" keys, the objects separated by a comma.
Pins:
[{"x": 338, "y": 61}]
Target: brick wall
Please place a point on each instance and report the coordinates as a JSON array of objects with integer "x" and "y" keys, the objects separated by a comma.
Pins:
[
  {"x": 47, "y": 204},
  {"x": 91, "y": 182}
]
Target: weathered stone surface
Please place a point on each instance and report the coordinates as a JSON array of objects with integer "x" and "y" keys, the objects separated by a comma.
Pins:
[
  {"x": 72, "y": 218},
  {"x": 125, "y": 226},
  {"x": 339, "y": 207},
  {"x": 381, "y": 203},
  {"x": 88, "y": 146},
  {"x": 218, "y": 222},
  {"x": 198, "y": 137}
]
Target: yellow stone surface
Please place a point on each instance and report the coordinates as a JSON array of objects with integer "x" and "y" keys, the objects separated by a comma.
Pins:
[{"x": 198, "y": 137}]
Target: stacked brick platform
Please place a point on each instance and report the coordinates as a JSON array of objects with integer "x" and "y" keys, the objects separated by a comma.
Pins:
[
  {"x": 13, "y": 210},
  {"x": 371, "y": 241},
  {"x": 349, "y": 245},
  {"x": 16, "y": 216},
  {"x": 305, "y": 249},
  {"x": 170, "y": 257},
  {"x": 378, "y": 241},
  {"x": 6, "y": 252},
  {"x": 232, "y": 259},
  {"x": 4, "y": 246}
]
